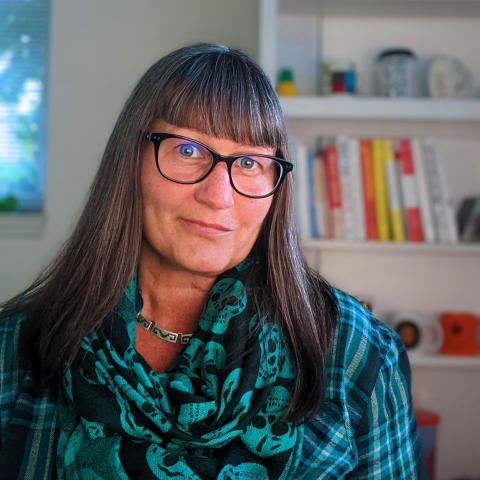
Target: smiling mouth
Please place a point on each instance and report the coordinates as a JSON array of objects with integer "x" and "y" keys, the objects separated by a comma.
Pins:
[{"x": 207, "y": 228}]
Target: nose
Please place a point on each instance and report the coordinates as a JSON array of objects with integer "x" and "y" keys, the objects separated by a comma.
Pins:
[{"x": 216, "y": 191}]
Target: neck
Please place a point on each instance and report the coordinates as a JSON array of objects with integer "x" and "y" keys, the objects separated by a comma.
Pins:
[{"x": 172, "y": 298}]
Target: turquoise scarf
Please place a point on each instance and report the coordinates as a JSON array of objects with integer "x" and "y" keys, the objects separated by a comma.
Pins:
[{"x": 214, "y": 414}]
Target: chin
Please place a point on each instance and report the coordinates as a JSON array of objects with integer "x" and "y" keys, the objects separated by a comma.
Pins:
[{"x": 208, "y": 265}]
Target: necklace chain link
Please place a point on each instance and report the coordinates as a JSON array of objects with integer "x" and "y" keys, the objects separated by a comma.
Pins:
[{"x": 162, "y": 333}]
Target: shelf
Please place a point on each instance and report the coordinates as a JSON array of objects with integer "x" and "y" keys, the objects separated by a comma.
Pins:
[
  {"x": 405, "y": 8},
  {"x": 391, "y": 247},
  {"x": 437, "y": 360},
  {"x": 370, "y": 108}
]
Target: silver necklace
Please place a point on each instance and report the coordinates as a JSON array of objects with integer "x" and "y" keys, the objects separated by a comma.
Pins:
[{"x": 172, "y": 337}]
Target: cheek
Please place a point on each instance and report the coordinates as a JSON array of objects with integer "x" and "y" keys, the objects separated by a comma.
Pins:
[
  {"x": 158, "y": 193},
  {"x": 256, "y": 212}
]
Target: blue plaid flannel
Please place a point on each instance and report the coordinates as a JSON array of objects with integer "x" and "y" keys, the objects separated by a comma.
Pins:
[{"x": 365, "y": 429}]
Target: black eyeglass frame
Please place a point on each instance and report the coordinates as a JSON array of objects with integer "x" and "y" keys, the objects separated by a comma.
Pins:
[{"x": 157, "y": 137}]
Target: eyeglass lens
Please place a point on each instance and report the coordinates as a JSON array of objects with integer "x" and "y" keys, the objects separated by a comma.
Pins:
[{"x": 187, "y": 161}]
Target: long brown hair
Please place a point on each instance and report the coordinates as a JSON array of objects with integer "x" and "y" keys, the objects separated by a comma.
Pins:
[{"x": 221, "y": 92}]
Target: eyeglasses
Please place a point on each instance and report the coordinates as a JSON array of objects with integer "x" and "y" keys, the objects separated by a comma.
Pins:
[{"x": 183, "y": 160}]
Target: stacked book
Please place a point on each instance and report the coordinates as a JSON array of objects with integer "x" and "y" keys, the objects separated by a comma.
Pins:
[{"x": 380, "y": 189}]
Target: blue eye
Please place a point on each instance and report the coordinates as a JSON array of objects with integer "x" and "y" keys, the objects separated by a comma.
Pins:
[
  {"x": 247, "y": 163},
  {"x": 187, "y": 149}
]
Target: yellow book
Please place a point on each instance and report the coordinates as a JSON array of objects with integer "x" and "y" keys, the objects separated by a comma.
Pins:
[
  {"x": 394, "y": 199},
  {"x": 381, "y": 192}
]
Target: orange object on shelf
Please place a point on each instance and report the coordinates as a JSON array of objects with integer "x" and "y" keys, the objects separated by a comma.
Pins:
[{"x": 460, "y": 333}]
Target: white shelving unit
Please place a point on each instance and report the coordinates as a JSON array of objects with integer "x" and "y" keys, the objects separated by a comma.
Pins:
[
  {"x": 408, "y": 276},
  {"x": 385, "y": 247},
  {"x": 444, "y": 361},
  {"x": 371, "y": 108}
]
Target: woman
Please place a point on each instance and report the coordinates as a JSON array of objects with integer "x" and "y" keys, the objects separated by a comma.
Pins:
[{"x": 180, "y": 332}]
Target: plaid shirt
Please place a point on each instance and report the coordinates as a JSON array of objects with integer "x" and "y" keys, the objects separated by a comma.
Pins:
[{"x": 365, "y": 429}]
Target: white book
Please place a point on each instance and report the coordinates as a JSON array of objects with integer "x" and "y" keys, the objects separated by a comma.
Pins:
[
  {"x": 300, "y": 173},
  {"x": 449, "y": 223},
  {"x": 344, "y": 165},
  {"x": 357, "y": 189},
  {"x": 442, "y": 208},
  {"x": 423, "y": 195}
]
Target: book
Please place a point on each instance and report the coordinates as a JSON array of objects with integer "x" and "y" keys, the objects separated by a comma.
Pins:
[
  {"x": 468, "y": 219},
  {"x": 357, "y": 189},
  {"x": 346, "y": 187},
  {"x": 381, "y": 193},
  {"x": 320, "y": 195},
  {"x": 428, "y": 226},
  {"x": 368, "y": 189},
  {"x": 409, "y": 187},
  {"x": 301, "y": 190},
  {"x": 395, "y": 204},
  {"x": 312, "y": 205},
  {"x": 442, "y": 208},
  {"x": 334, "y": 195}
]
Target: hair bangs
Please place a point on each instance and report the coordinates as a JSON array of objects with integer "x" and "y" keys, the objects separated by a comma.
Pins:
[{"x": 224, "y": 97}]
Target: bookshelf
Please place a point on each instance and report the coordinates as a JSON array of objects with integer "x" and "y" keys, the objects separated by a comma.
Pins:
[
  {"x": 392, "y": 247},
  {"x": 454, "y": 362},
  {"x": 427, "y": 278},
  {"x": 372, "y": 108}
]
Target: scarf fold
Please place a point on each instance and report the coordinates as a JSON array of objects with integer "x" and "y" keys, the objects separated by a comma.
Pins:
[{"x": 215, "y": 413}]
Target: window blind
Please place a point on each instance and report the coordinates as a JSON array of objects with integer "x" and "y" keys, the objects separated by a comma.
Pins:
[{"x": 24, "y": 35}]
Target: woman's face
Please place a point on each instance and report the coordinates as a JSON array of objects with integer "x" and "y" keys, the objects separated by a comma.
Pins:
[{"x": 203, "y": 228}]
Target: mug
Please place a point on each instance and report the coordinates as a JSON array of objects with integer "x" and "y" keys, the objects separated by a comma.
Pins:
[{"x": 419, "y": 332}]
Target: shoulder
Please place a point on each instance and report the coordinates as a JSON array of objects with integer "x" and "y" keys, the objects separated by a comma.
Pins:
[
  {"x": 361, "y": 341},
  {"x": 10, "y": 334},
  {"x": 13, "y": 366},
  {"x": 28, "y": 415},
  {"x": 366, "y": 369},
  {"x": 363, "y": 351}
]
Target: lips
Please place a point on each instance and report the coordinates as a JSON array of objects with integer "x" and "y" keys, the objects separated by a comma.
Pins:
[{"x": 207, "y": 227}]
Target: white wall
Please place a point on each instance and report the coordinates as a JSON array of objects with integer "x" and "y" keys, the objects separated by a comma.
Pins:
[{"x": 98, "y": 51}]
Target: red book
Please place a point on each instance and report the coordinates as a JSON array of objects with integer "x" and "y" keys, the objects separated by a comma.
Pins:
[
  {"x": 334, "y": 194},
  {"x": 411, "y": 198},
  {"x": 368, "y": 189}
]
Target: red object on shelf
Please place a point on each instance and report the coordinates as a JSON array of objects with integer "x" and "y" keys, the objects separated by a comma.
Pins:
[
  {"x": 427, "y": 422},
  {"x": 426, "y": 417},
  {"x": 460, "y": 333}
]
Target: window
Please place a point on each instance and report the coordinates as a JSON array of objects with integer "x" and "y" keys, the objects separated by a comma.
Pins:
[{"x": 24, "y": 26}]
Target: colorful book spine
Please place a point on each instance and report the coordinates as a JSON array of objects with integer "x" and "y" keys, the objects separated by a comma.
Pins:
[
  {"x": 395, "y": 203},
  {"x": 320, "y": 196},
  {"x": 357, "y": 189},
  {"x": 411, "y": 200},
  {"x": 429, "y": 231},
  {"x": 334, "y": 194},
  {"x": 368, "y": 189},
  {"x": 312, "y": 205},
  {"x": 381, "y": 193},
  {"x": 346, "y": 187}
]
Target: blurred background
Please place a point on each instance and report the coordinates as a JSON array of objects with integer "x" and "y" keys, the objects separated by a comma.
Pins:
[{"x": 382, "y": 100}]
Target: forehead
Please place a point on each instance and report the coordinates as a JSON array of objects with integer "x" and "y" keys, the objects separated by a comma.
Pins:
[{"x": 224, "y": 146}]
